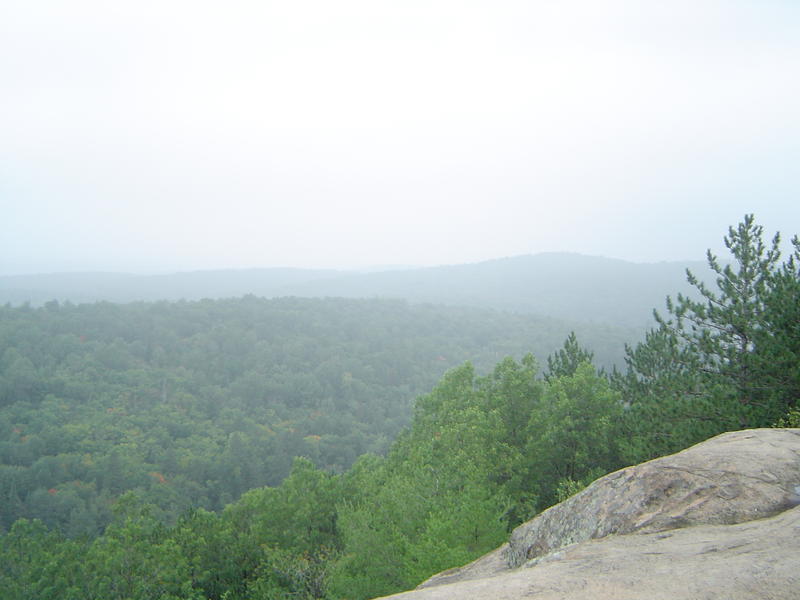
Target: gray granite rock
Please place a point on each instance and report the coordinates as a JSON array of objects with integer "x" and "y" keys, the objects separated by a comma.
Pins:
[
  {"x": 748, "y": 561},
  {"x": 731, "y": 478},
  {"x": 717, "y": 518}
]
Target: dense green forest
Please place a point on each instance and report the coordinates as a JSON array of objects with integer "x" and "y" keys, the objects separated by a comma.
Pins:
[
  {"x": 194, "y": 403},
  {"x": 142, "y": 436}
]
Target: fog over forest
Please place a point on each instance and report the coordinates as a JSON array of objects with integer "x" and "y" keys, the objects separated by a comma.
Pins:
[{"x": 314, "y": 300}]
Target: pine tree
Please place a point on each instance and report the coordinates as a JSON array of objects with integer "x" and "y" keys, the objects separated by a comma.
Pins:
[
  {"x": 721, "y": 328},
  {"x": 567, "y": 360},
  {"x": 776, "y": 358},
  {"x": 710, "y": 365}
]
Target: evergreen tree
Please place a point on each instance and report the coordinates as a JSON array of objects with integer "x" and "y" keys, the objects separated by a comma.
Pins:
[
  {"x": 567, "y": 360},
  {"x": 776, "y": 358},
  {"x": 709, "y": 366},
  {"x": 721, "y": 328}
]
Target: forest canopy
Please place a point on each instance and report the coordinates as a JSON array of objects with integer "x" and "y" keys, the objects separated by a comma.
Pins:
[
  {"x": 250, "y": 449},
  {"x": 192, "y": 404}
]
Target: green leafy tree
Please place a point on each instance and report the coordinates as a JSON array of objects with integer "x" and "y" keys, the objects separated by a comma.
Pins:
[
  {"x": 299, "y": 515},
  {"x": 439, "y": 499},
  {"x": 573, "y": 433},
  {"x": 283, "y": 575},
  {"x": 136, "y": 558},
  {"x": 514, "y": 391},
  {"x": 38, "y": 564},
  {"x": 213, "y": 554}
]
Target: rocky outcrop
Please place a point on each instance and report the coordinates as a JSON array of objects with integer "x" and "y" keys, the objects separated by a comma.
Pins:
[
  {"x": 732, "y": 478},
  {"x": 716, "y": 520}
]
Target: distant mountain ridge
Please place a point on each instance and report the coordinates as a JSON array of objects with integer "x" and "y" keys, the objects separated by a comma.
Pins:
[
  {"x": 83, "y": 287},
  {"x": 559, "y": 285}
]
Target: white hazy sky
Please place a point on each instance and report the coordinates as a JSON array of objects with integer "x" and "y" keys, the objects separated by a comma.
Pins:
[{"x": 161, "y": 135}]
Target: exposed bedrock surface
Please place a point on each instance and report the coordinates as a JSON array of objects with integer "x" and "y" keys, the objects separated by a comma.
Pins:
[{"x": 717, "y": 520}]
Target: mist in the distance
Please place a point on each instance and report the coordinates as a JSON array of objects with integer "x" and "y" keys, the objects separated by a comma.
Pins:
[{"x": 154, "y": 137}]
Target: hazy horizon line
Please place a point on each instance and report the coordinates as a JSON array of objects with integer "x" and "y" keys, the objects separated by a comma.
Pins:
[{"x": 351, "y": 269}]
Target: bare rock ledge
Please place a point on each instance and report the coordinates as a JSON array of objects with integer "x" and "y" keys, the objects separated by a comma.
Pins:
[{"x": 718, "y": 520}]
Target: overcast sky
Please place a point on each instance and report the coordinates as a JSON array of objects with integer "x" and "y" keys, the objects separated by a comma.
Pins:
[{"x": 153, "y": 136}]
